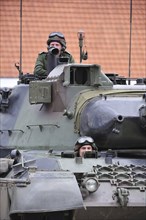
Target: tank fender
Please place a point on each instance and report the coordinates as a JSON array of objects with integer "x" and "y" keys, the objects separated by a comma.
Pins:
[{"x": 47, "y": 192}]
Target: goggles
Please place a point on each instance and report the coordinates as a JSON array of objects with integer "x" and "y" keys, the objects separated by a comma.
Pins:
[
  {"x": 58, "y": 34},
  {"x": 85, "y": 139}
]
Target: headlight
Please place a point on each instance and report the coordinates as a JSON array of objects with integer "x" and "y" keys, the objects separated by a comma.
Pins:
[{"x": 91, "y": 184}]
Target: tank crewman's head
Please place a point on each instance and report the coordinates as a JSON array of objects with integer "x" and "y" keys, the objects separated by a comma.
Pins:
[
  {"x": 84, "y": 144},
  {"x": 57, "y": 40}
]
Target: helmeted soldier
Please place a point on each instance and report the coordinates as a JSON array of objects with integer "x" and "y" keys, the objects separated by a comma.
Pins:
[
  {"x": 84, "y": 144},
  {"x": 56, "y": 41}
]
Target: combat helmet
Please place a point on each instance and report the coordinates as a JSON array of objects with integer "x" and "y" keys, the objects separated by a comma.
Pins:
[
  {"x": 58, "y": 37},
  {"x": 84, "y": 140}
]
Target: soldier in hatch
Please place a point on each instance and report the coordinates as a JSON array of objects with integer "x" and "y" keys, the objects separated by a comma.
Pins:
[
  {"x": 55, "y": 40},
  {"x": 84, "y": 144}
]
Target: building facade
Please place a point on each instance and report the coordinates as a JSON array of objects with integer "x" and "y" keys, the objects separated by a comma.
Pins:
[{"x": 25, "y": 26}]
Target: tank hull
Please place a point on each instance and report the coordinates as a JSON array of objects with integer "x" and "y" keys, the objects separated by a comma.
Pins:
[{"x": 41, "y": 177}]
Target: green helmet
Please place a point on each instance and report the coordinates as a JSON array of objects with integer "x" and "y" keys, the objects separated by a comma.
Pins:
[
  {"x": 57, "y": 37},
  {"x": 84, "y": 140}
]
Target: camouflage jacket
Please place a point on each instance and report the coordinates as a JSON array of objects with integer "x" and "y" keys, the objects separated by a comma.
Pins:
[{"x": 41, "y": 63}]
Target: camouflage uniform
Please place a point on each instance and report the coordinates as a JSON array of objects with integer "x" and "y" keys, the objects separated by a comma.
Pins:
[{"x": 41, "y": 63}]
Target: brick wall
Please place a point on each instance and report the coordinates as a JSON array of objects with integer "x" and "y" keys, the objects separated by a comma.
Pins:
[{"x": 106, "y": 26}]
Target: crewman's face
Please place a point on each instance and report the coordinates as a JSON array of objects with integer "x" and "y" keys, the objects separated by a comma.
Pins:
[
  {"x": 56, "y": 45},
  {"x": 84, "y": 149}
]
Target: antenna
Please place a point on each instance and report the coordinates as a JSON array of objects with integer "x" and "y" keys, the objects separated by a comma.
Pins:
[
  {"x": 20, "y": 69},
  {"x": 130, "y": 41}
]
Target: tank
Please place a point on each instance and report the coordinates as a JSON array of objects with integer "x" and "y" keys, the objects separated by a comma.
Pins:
[{"x": 40, "y": 121}]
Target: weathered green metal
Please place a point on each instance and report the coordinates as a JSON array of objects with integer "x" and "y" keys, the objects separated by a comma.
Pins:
[
  {"x": 42, "y": 178},
  {"x": 39, "y": 92}
]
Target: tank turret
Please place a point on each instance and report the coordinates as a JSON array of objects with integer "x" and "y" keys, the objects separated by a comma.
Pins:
[
  {"x": 113, "y": 117},
  {"x": 40, "y": 175}
]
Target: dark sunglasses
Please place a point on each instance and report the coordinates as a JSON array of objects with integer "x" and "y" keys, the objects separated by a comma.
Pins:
[
  {"x": 58, "y": 34},
  {"x": 84, "y": 139}
]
